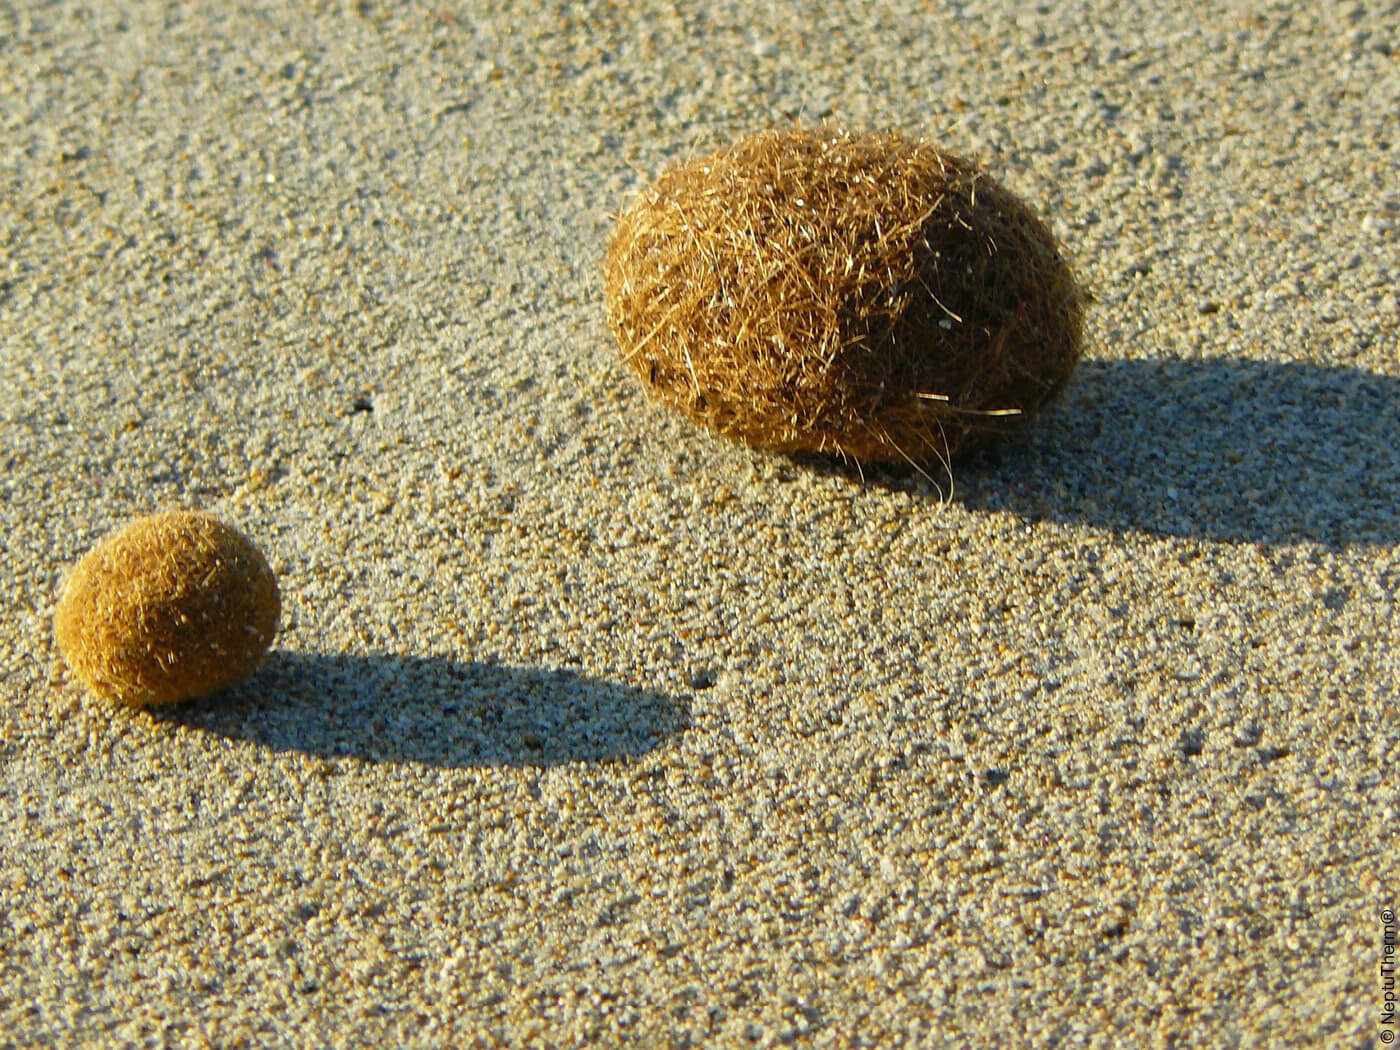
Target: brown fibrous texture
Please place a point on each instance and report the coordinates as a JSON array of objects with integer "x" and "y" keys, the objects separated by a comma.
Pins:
[
  {"x": 865, "y": 295},
  {"x": 173, "y": 606}
]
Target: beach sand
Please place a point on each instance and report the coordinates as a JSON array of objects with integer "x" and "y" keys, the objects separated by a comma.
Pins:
[{"x": 585, "y": 727}]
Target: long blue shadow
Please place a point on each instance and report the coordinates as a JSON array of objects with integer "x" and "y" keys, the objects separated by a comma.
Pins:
[
  {"x": 387, "y": 708},
  {"x": 1229, "y": 450}
]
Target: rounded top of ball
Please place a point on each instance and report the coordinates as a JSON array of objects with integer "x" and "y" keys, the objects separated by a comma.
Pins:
[
  {"x": 173, "y": 606},
  {"x": 868, "y": 295}
]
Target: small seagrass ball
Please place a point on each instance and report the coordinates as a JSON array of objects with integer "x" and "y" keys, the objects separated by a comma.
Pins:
[
  {"x": 171, "y": 607},
  {"x": 866, "y": 295}
]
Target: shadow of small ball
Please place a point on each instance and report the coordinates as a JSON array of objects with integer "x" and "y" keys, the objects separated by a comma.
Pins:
[
  {"x": 171, "y": 607},
  {"x": 858, "y": 294}
]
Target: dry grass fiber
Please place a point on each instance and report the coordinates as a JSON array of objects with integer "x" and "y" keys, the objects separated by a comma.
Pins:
[
  {"x": 867, "y": 295},
  {"x": 173, "y": 606}
]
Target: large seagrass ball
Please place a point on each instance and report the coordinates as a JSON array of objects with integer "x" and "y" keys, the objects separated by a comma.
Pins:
[
  {"x": 866, "y": 295},
  {"x": 173, "y": 606}
]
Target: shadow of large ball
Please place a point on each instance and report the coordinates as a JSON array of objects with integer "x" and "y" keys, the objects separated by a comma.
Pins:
[
  {"x": 173, "y": 606},
  {"x": 862, "y": 295}
]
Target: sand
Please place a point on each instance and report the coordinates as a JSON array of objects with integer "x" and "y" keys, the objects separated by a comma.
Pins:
[{"x": 585, "y": 727}]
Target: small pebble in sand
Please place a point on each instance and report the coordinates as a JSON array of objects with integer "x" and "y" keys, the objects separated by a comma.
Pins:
[{"x": 174, "y": 606}]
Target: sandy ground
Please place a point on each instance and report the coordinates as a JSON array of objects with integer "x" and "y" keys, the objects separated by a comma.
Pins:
[{"x": 585, "y": 727}]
